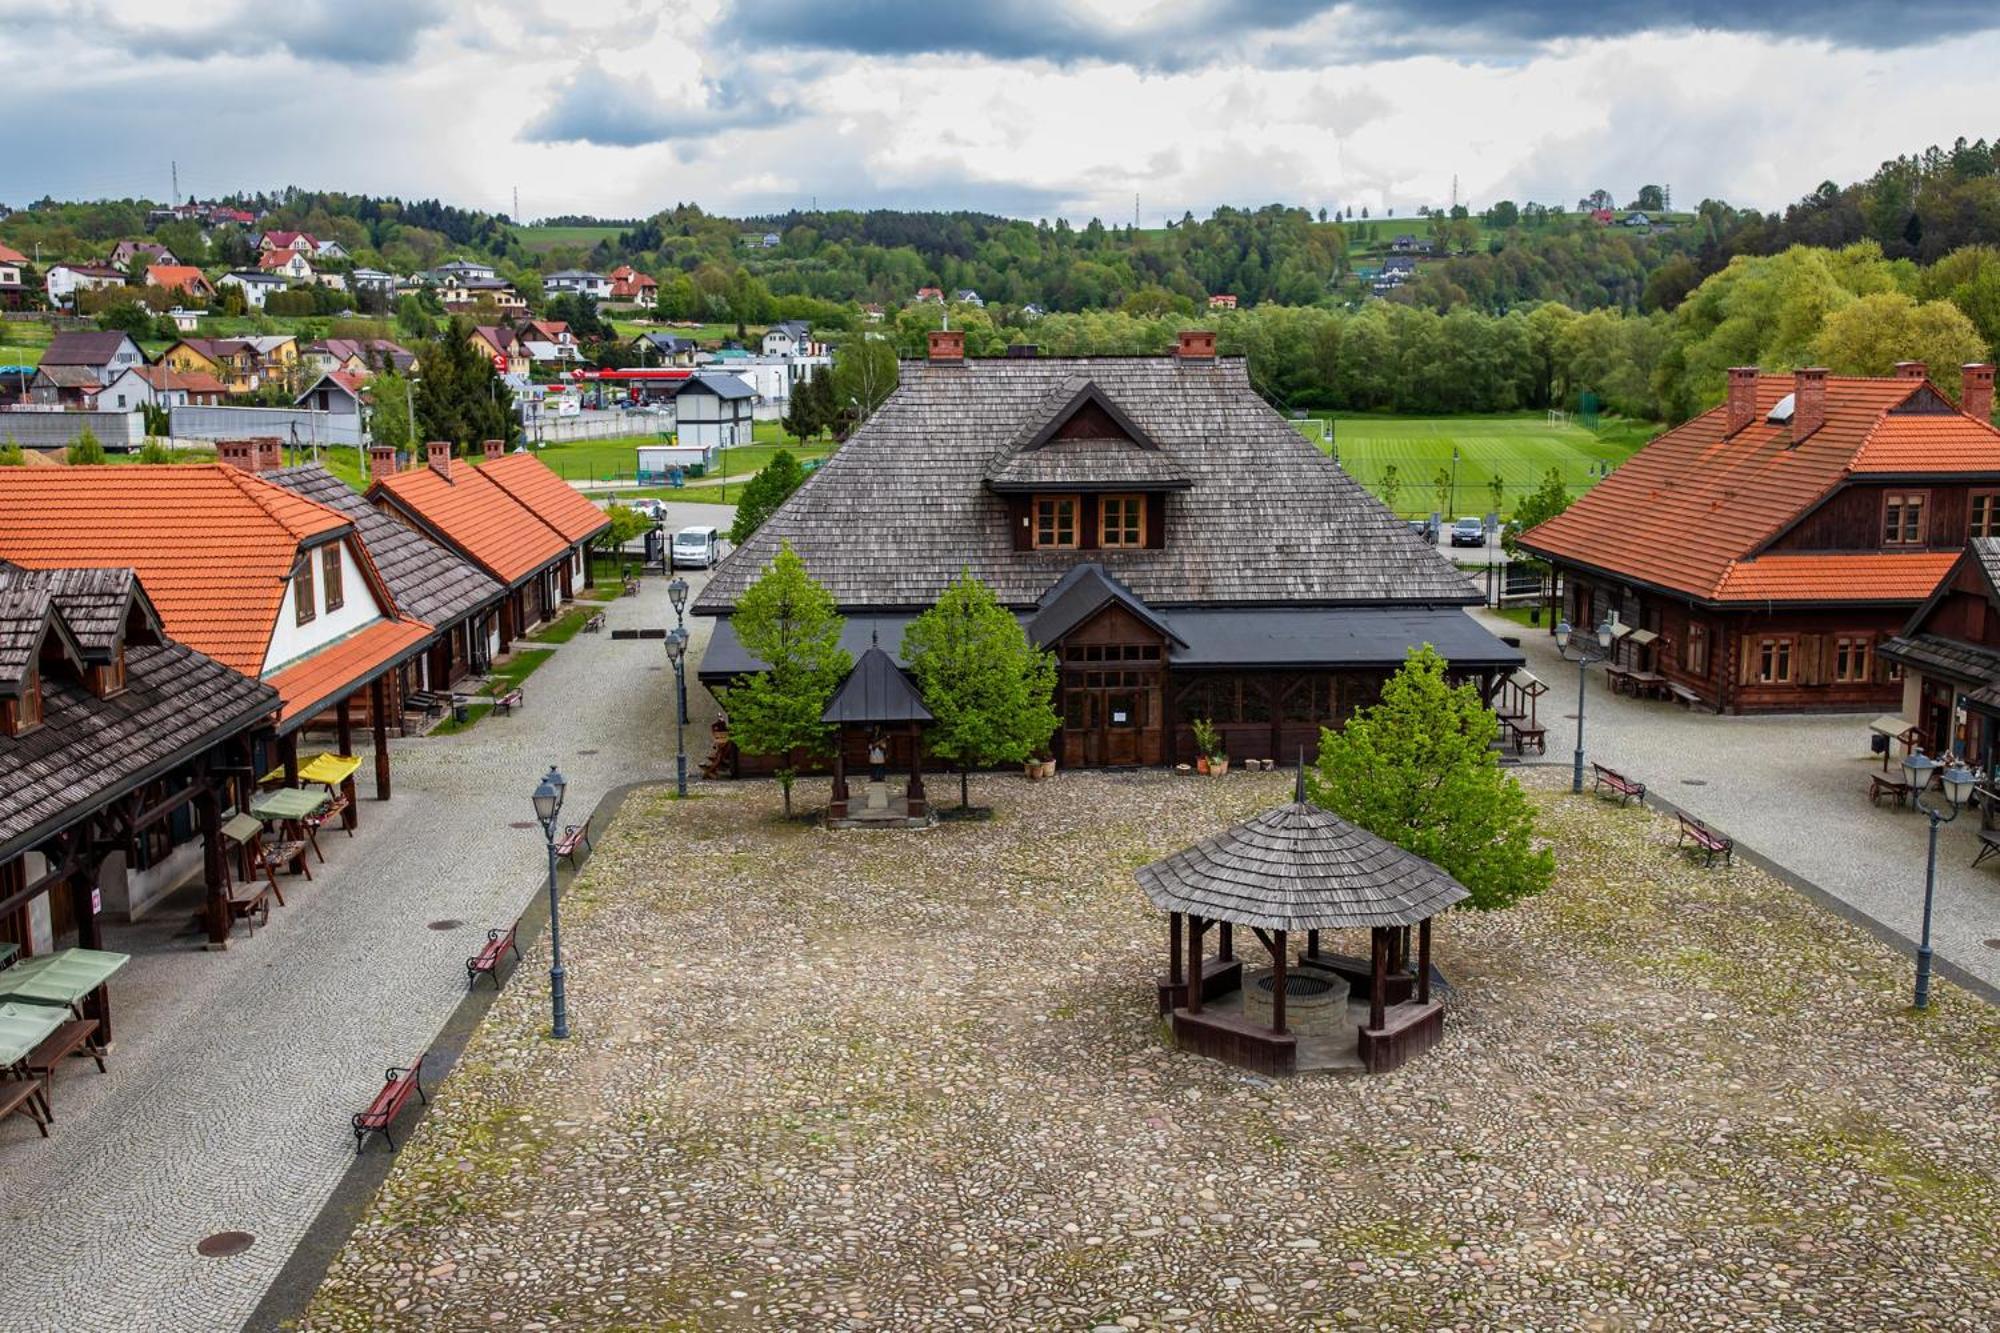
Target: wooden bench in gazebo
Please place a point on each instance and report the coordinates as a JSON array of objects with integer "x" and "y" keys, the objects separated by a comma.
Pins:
[{"x": 1299, "y": 868}]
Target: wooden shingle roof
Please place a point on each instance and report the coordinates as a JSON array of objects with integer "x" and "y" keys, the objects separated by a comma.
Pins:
[{"x": 891, "y": 518}]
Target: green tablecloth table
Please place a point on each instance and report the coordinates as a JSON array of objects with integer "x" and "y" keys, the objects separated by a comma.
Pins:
[
  {"x": 60, "y": 978},
  {"x": 287, "y": 803},
  {"x": 22, "y": 1028}
]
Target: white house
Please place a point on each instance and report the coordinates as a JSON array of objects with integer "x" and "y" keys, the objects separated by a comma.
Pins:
[
  {"x": 373, "y": 280},
  {"x": 577, "y": 282},
  {"x": 787, "y": 338},
  {"x": 290, "y": 264},
  {"x": 330, "y": 250},
  {"x": 159, "y": 386},
  {"x": 714, "y": 411},
  {"x": 773, "y": 379},
  {"x": 64, "y": 281},
  {"x": 463, "y": 270},
  {"x": 255, "y": 286},
  {"x": 337, "y": 281}
]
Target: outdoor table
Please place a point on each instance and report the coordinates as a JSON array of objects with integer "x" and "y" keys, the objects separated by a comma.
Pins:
[
  {"x": 62, "y": 978},
  {"x": 22, "y": 1028},
  {"x": 289, "y": 806},
  {"x": 337, "y": 772}
]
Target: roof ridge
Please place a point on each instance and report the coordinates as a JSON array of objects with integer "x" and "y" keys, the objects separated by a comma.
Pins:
[{"x": 264, "y": 493}]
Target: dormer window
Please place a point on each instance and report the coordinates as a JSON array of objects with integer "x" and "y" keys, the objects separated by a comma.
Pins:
[
  {"x": 302, "y": 593},
  {"x": 1903, "y": 519},
  {"x": 1055, "y": 522},
  {"x": 330, "y": 572},
  {"x": 24, "y": 711},
  {"x": 1121, "y": 521},
  {"x": 111, "y": 676}
]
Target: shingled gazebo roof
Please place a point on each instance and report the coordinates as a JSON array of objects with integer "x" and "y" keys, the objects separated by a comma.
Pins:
[
  {"x": 1299, "y": 867},
  {"x": 876, "y": 690}
]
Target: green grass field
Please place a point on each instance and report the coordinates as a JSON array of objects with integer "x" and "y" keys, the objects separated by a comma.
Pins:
[{"x": 1518, "y": 449}]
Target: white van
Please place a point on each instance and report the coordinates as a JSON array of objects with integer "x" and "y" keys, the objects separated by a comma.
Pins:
[{"x": 695, "y": 548}]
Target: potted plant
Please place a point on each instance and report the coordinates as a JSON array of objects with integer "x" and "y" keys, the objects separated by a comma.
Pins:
[
  {"x": 1206, "y": 743},
  {"x": 1218, "y": 764}
]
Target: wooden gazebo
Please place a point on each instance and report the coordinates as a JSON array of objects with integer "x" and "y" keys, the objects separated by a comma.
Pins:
[
  {"x": 1295, "y": 869},
  {"x": 875, "y": 697}
]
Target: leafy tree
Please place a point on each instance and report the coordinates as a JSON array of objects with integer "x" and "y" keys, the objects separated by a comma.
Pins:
[
  {"x": 391, "y": 395},
  {"x": 864, "y": 374},
  {"x": 86, "y": 451},
  {"x": 771, "y": 487},
  {"x": 787, "y": 621},
  {"x": 1420, "y": 770},
  {"x": 1548, "y": 500},
  {"x": 627, "y": 524},
  {"x": 1870, "y": 335},
  {"x": 1441, "y": 489},
  {"x": 127, "y": 317},
  {"x": 1497, "y": 488},
  {"x": 459, "y": 398},
  {"x": 1390, "y": 486},
  {"x": 11, "y": 454},
  {"x": 991, "y": 691},
  {"x": 801, "y": 421},
  {"x": 1652, "y": 199}
]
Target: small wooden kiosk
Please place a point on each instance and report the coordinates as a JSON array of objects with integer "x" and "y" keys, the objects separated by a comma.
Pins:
[
  {"x": 1295, "y": 869},
  {"x": 875, "y": 697}
]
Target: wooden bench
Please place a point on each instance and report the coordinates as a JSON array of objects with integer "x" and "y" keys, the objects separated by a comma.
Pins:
[
  {"x": 594, "y": 624},
  {"x": 1880, "y": 786},
  {"x": 1623, "y": 786},
  {"x": 487, "y": 961},
  {"x": 573, "y": 837},
  {"x": 1682, "y": 695},
  {"x": 77, "y": 1035},
  {"x": 509, "y": 701},
  {"x": 428, "y": 702},
  {"x": 23, "y": 1098},
  {"x": 283, "y": 854},
  {"x": 397, "y": 1085},
  {"x": 1706, "y": 839},
  {"x": 335, "y": 808},
  {"x": 1989, "y": 843},
  {"x": 250, "y": 902}
]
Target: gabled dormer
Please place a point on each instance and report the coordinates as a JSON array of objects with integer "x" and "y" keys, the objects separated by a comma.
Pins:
[
  {"x": 36, "y": 647},
  {"x": 1081, "y": 475}
]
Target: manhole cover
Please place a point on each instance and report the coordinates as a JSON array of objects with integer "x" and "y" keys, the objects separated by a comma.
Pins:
[
  {"x": 1993, "y": 944},
  {"x": 224, "y": 1243},
  {"x": 583, "y": 752},
  {"x": 656, "y": 668},
  {"x": 1570, "y": 716},
  {"x": 520, "y": 823},
  {"x": 1694, "y": 782},
  {"x": 449, "y": 923}
]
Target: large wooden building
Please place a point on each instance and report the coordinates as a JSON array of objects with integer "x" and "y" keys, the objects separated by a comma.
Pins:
[
  {"x": 1949, "y": 652},
  {"x": 1765, "y": 551},
  {"x": 1183, "y": 549}
]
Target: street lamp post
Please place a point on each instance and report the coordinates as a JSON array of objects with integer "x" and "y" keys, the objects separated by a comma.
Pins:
[
  {"x": 1957, "y": 782},
  {"x": 1454, "y": 479},
  {"x": 548, "y": 808},
  {"x": 1584, "y": 652},
  {"x": 677, "y": 644},
  {"x": 677, "y": 593}
]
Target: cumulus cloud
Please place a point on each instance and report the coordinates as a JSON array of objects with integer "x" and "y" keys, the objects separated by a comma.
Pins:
[
  {"x": 596, "y": 106},
  {"x": 342, "y": 32}
]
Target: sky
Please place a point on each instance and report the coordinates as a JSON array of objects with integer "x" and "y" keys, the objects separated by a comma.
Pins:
[{"x": 1079, "y": 108}]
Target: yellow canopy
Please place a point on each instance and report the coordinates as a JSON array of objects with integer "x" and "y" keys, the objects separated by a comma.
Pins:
[{"x": 332, "y": 769}]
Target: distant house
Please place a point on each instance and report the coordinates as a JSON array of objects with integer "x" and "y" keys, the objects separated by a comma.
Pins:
[
  {"x": 1405, "y": 243},
  {"x": 462, "y": 270},
  {"x": 714, "y": 411},
  {"x": 873, "y": 313},
  {"x": 1636, "y": 219},
  {"x": 666, "y": 349},
  {"x": 1603, "y": 217},
  {"x": 787, "y": 338},
  {"x": 290, "y": 264},
  {"x": 577, "y": 282},
  {"x": 288, "y": 240},
  {"x": 105, "y": 355},
  {"x": 123, "y": 253},
  {"x": 356, "y": 356},
  {"x": 762, "y": 240},
  {"x": 331, "y": 250},
  {"x": 966, "y": 296},
  {"x": 628, "y": 284},
  {"x": 930, "y": 294},
  {"x": 242, "y": 364},
  {"x": 13, "y": 287},
  {"x": 338, "y": 394},
  {"x": 498, "y": 343},
  {"x": 65, "y": 386},
  {"x": 185, "y": 321},
  {"x": 183, "y": 278},
  {"x": 160, "y": 386},
  {"x": 1032, "y": 310},
  {"x": 64, "y": 281},
  {"x": 372, "y": 280},
  {"x": 1222, "y": 301},
  {"x": 254, "y": 286}
]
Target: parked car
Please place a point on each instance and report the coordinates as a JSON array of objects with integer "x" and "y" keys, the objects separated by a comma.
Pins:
[
  {"x": 695, "y": 548},
  {"x": 1425, "y": 530},
  {"x": 653, "y": 509},
  {"x": 1469, "y": 532}
]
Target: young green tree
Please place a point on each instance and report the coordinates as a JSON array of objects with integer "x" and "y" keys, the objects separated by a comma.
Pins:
[
  {"x": 391, "y": 395},
  {"x": 1441, "y": 488},
  {"x": 800, "y": 421},
  {"x": 787, "y": 621},
  {"x": 864, "y": 373},
  {"x": 1390, "y": 486},
  {"x": 86, "y": 451},
  {"x": 1496, "y": 488},
  {"x": 991, "y": 692},
  {"x": 627, "y": 524},
  {"x": 1547, "y": 500},
  {"x": 1419, "y": 769},
  {"x": 771, "y": 487},
  {"x": 11, "y": 454}
]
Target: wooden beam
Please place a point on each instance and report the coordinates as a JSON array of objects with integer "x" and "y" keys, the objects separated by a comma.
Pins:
[
  {"x": 215, "y": 870},
  {"x": 1378, "y": 991},
  {"x": 343, "y": 716},
  {"x": 1424, "y": 962},
  {"x": 1174, "y": 975},
  {"x": 1264, "y": 939},
  {"x": 1196, "y": 973},
  {"x": 1278, "y": 986},
  {"x": 378, "y": 706}
]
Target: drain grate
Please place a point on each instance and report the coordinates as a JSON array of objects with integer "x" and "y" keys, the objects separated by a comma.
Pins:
[
  {"x": 1993, "y": 944},
  {"x": 520, "y": 823},
  {"x": 584, "y": 752},
  {"x": 224, "y": 1243},
  {"x": 1694, "y": 782},
  {"x": 449, "y": 923}
]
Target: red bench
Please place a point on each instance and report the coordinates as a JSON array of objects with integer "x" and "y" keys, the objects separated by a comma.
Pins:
[
  {"x": 1623, "y": 787},
  {"x": 573, "y": 837},
  {"x": 1706, "y": 840},
  {"x": 397, "y": 1084},
  {"x": 487, "y": 960},
  {"x": 509, "y": 701}
]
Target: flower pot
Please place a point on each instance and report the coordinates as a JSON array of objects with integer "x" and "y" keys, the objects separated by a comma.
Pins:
[
  {"x": 1049, "y": 767},
  {"x": 1032, "y": 770},
  {"x": 1201, "y": 764},
  {"x": 1219, "y": 766}
]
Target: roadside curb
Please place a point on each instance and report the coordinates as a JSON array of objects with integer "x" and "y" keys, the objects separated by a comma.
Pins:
[{"x": 285, "y": 1300}]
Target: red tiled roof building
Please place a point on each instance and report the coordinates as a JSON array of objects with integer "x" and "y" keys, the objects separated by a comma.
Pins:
[{"x": 1769, "y": 546}]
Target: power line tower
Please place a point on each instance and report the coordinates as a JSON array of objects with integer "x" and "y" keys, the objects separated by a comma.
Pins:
[
  {"x": 1454, "y": 192},
  {"x": 175, "y": 167},
  {"x": 1667, "y": 198},
  {"x": 1135, "y": 210},
  {"x": 517, "y": 205}
]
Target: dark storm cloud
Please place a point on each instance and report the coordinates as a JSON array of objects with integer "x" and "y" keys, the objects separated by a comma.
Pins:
[
  {"x": 1210, "y": 31},
  {"x": 360, "y": 33},
  {"x": 598, "y": 107}
]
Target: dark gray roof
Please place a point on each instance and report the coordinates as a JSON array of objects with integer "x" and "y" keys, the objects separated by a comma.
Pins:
[
  {"x": 430, "y": 582},
  {"x": 1087, "y": 465},
  {"x": 68, "y": 377},
  {"x": 88, "y": 607},
  {"x": 1987, "y": 551},
  {"x": 1299, "y": 867},
  {"x": 1081, "y": 594},
  {"x": 722, "y": 386},
  {"x": 1938, "y": 655},
  {"x": 726, "y": 657},
  {"x": 876, "y": 690},
  {"x": 892, "y": 517},
  {"x": 89, "y": 751},
  {"x": 82, "y": 349}
]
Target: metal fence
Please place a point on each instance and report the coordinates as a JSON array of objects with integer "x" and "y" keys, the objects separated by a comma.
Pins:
[
  {"x": 293, "y": 425},
  {"x": 59, "y": 430}
]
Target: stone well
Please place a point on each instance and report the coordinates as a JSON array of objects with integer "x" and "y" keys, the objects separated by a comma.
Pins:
[{"x": 1315, "y": 1002}]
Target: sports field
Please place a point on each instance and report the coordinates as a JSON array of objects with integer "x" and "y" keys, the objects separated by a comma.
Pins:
[
  {"x": 1519, "y": 449},
  {"x": 541, "y": 240}
]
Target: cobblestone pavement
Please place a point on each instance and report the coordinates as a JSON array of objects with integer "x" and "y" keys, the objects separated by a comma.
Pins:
[
  {"x": 910, "y": 1081},
  {"x": 1793, "y": 787},
  {"x": 227, "y": 1102}
]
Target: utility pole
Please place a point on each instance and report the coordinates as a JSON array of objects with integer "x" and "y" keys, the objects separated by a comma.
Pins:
[
  {"x": 517, "y": 205},
  {"x": 176, "y": 168},
  {"x": 1454, "y": 193}
]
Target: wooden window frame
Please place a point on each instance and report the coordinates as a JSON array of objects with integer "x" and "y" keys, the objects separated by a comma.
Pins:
[
  {"x": 1695, "y": 652},
  {"x": 330, "y": 576},
  {"x": 1135, "y": 505},
  {"x": 24, "y": 713},
  {"x": 1773, "y": 652},
  {"x": 111, "y": 676},
  {"x": 1054, "y": 504},
  {"x": 304, "y": 606},
  {"x": 1853, "y": 659},
  {"x": 1896, "y": 505}
]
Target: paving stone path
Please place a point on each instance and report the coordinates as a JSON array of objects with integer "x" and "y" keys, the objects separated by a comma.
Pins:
[
  {"x": 227, "y": 1102},
  {"x": 1795, "y": 788}
]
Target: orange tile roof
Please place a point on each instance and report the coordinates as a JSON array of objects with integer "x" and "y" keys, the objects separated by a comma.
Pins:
[
  {"x": 1858, "y": 576},
  {"x": 529, "y": 480},
  {"x": 474, "y": 514},
  {"x": 308, "y": 687},
  {"x": 183, "y": 276},
  {"x": 9, "y": 255},
  {"x": 1686, "y": 508}
]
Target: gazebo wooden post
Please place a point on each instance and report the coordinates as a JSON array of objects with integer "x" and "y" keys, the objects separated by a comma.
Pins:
[
  {"x": 1378, "y": 993},
  {"x": 378, "y": 709},
  {"x": 344, "y": 724},
  {"x": 1196, "y": 928},
  {"x": 1226, "y": 943},
  {"x": 1424, "y": 962},
  {"x": 840, "y": 768},
  {"x": 1278, "y": 951},
  {"x": 916, "y": 791},
  {"x": 1174, "y": 974},
  {"x": 289, "y": 746},
  {"x": 1312, "y": 944}
]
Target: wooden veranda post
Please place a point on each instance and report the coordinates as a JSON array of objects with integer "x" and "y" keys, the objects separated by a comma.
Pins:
[
  {"x": 1173, "y": 949},
  {"x": 1424, "y": 961},
  {"x": 1278, "y": 952},
  {"x": 290, "y": 747},
  {"x": 1378, "y": 989},
  {"x": 1196, "y": 929},
  {"x": 214, "y": 870},
  {"x": 378, "y": 706},
  {"x": 344, "y": 725},
  {"x": 90, "y": 935}
]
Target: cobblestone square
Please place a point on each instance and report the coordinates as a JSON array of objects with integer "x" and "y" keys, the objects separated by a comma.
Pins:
[{"x": 915, "y": 1081}]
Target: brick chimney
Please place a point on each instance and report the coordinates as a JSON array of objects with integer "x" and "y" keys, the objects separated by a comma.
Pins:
[
  {"x": 1912, "y": 370},
  {"x": 381, "y": 461},
  {"x": 270, "y": 454},
  {"x": 492, "y": 448},
  {"x": 1196, "y": 345},
  {"x": 947, "y": 345},
  {"x": 1808, "y": 401},
  {"x": 1975, "y": 391},
  {"x": 238, "y": 454},
  {"x": 438, "y": 455},
  {"x": 1742, "y": 397}
]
